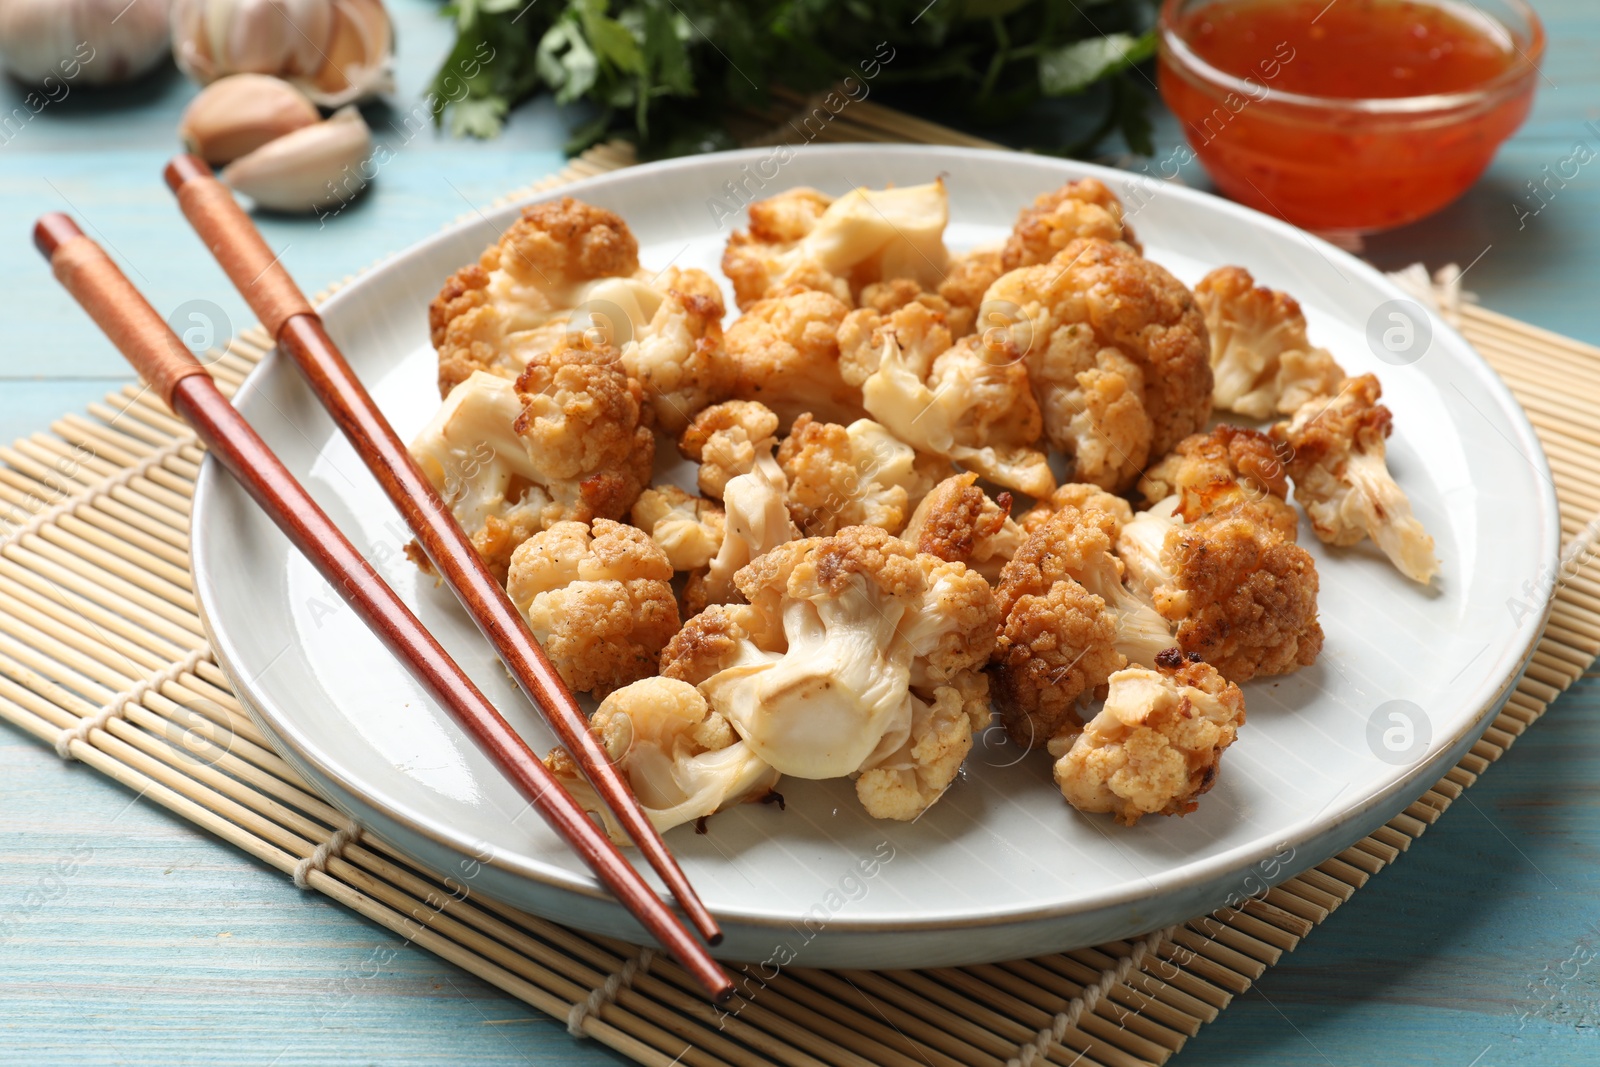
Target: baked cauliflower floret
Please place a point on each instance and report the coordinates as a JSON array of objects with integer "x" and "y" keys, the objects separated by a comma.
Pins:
[
  {"x": 1229, "y": 467},
  {"x": 565, "y": 441},
  {"x": 856, "y": 655},
  {"x": 1084, "y": 208},
  {"x": 1116, "y": 352},
  {"x": 969, "y": 402},
  {"x": 1155, "y": 746},
  {"x": 1057, "y": 647},
  {"x": 1243, "y": 597},
  {"x": 677, "y": 355},
  {"x": 1338, "y": 460},
  {"x": 755, "y": 521},
  {"x": 1068, "y": 623},
  {"x": 958, "y": 521},
  {"x": 726, "y": 440},
  {"x": 1080, "y": 495},
  {"x": 803, "y": 238},
  {"x": 784, "y": 352},
  {"x": 1076, "y": 544},
  {"x": 682, "y": 760},
  {"x": 967, "y": 278},
  {"x": 1261, "y": 361},
  {"x": 856, "y": 475},
  {"x": 598, "y": 599},
  {"x": 687, "y": 528},
  {"x": 519, "y": 295}
]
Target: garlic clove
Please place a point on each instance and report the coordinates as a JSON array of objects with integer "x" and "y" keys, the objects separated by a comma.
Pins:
[
  {"x": 357, "y": 62},
  {"x": 86, "y": 42},
  {"x": 335, "y": 51},
  {"x": 236, "y": 115},
  {"x": 309, "y": 169}
]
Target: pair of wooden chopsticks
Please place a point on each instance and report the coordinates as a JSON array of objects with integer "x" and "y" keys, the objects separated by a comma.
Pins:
[{"x": 161, "y": 358}]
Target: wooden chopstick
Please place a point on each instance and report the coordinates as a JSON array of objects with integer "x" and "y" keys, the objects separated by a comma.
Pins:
[
  {"x": 290, "y": 320},
  {"x": 161, "y": 358}
]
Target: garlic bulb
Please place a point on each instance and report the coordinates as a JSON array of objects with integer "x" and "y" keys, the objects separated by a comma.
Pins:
[
  {"x": 87, "y": 42},
  {"x": 236, "y": 115},
  {"x": 335, "y": 51},
  {"x": 312, "y": 168}
]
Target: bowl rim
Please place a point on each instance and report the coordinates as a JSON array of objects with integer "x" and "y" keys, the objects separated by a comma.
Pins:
[{"x": 1187, "y": 63}]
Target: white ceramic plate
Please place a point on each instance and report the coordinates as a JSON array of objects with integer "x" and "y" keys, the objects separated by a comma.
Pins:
[{"x": 1001, "y": 867}]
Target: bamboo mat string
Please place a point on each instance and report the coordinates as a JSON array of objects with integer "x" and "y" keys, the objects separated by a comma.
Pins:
[{"x": 97, "y": 611}]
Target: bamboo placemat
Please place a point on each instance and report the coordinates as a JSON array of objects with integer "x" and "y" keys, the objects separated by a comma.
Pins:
[{"x": 102, "y": 656}]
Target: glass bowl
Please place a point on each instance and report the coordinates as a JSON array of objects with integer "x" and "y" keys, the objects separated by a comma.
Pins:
[{"x": 1344, "y": 166}]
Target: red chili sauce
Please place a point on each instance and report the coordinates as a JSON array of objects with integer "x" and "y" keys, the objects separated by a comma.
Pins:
[{"x": 1332, "y": 166}]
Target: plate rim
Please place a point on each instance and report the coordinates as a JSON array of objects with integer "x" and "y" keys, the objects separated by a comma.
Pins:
[{"x": 1206, "y": 871}]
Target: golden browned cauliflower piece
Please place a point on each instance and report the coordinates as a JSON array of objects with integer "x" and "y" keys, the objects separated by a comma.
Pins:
[
  {"x": 1261, "y": 361},
  {"x": 959, "y": 522},
  {"x": 599, "y": 599},
  {"x": 969, "y": 276},
  {"x": 1338, "y": 460},
  {"x": 687, "y": 528},
  {"x": 517, "y": 298},
  {"x": 969, "y": 402},
  {"x": 1080, "y": 495},
  {"x": 565, "y": 441},
  {"x": 1084, "y": 208},
  {"x": 856, "y": 475},
  {"x": 804, "y": 238},
  {"x": 1229, "y": 466},
  {"x": 682, "y": 760},
  {"x": 1155, "y": 746},
  {"x": 1117, "y": 354},
  {"x": 856, "y": 655},
  {"x": 1243, "y": 597},
  {"x": 784, "y": 352},
  {"x": 567, "y": 273},
  {"x": 677, "y": 355},
  {"x": 1068, "y": 624},
  {"x": 726, "y": 440}
]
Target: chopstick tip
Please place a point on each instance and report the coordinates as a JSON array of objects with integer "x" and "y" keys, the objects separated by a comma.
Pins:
[
  {"x": 53, "y": 230},
  {"x": 184, "y": 168}
]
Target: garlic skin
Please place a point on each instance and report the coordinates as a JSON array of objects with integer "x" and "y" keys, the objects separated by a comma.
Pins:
[
  {"x": 236, "y": 115},
  {"x": 78, "y": 41},
  {"x": 335, "y": 51},
  {"x": 312, "y": 168}
]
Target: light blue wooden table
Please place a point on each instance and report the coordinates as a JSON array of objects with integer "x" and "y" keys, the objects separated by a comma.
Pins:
[{"x": 1481, "y": 948}]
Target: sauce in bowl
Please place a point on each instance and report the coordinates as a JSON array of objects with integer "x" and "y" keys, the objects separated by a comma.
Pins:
[{"x": 1350, "y": 116}]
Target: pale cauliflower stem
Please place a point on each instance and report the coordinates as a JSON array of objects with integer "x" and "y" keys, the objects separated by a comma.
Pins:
[
  {"x": 687, "y": 528},
  {"x": 969, "y": 402},
  {"x": 1084, "y": 208},
  {"x": 1155, "y": 746},
  {"x": 856, "y": 475},
  {"x": 726, "y": 440},
  {"x": 1243, "y": 597},
  {"x": 1261, "y": 360},
  {"x": 1338, "y": 460},
  {"x": 1116, "y": 351},
  {"x": 755, "y": 521},
  {"x": 564, "y": 441},
  {"x": 681, "y": 759},
  {"x": 959, "y": 522},
  {"x": 1229, "y": 466},
  {"x": 804, "y": 238},
  {"x": 784, "y": 353},
  {"x": 1068, "y": 623},
  {"x": 598, "y": 599},
  {"x": 568, "y": 268},
  {"x": 856, "y": 655}
]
